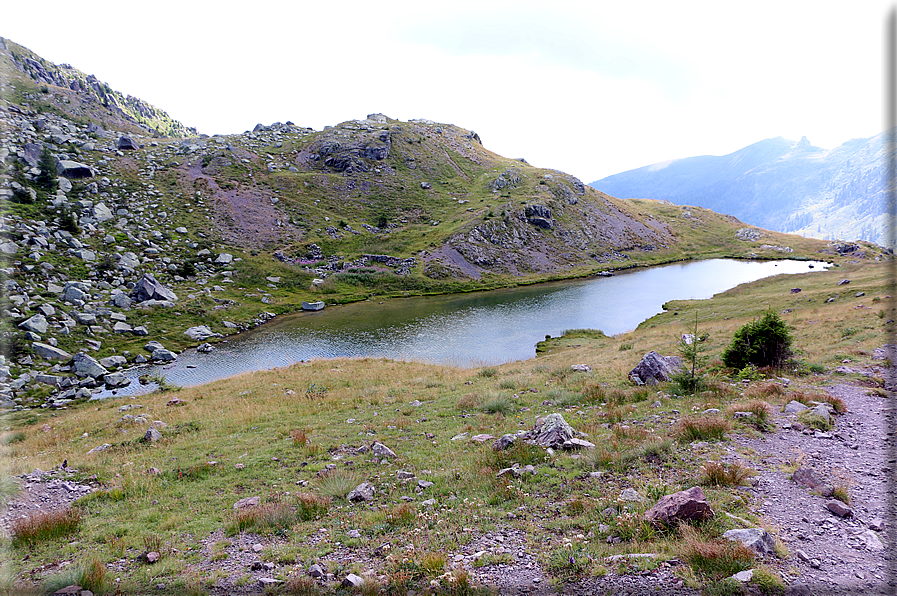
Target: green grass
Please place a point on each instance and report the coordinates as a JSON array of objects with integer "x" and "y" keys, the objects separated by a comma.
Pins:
[{"x": 284, "y": 444}]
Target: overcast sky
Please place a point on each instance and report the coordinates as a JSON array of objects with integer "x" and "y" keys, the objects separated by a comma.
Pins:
[{"x": 590, "y": 88}]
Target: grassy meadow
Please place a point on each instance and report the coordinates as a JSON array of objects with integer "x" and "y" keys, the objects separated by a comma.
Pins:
[{"x": 299, "y": 438}]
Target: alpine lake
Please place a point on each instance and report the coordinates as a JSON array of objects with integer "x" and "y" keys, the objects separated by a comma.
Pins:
[{"x": 464, "y": 330}]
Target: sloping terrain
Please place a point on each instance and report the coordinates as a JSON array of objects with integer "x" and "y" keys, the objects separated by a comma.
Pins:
[
  {"x": 236, "y": 229},
  {"x": 777, "y": 184}
]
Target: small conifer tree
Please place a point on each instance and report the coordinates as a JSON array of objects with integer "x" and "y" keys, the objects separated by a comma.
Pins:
[{"x": 763, "y": 342}]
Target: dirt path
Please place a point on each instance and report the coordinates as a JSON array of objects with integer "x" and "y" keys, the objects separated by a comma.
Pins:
[{"x": 830, "y": 554}]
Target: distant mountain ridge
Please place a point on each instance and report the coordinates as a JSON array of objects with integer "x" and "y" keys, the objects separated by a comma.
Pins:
[{"x": 777, "y": 184}]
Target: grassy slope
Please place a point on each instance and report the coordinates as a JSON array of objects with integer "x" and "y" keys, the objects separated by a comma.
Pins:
[{"x": 249, "y": 420}]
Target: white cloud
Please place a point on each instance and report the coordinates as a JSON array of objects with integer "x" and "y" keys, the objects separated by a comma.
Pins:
[{"x": 589, "y": 88}]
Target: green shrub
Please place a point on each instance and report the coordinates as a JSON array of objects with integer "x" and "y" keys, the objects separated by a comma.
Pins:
[{"x": 762, "y": 342}]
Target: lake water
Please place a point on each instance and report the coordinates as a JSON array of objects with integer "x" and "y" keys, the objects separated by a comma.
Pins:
[{"x": 467, "y": 330}]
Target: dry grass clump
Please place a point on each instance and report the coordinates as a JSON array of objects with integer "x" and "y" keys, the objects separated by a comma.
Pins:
[
  {"x": 266, "y": 519},
  {"x": 300, "y": 585},
  {"x": 299, "y": 437},
  {"x": 714, "y": 473},
  {"x": 702, "y": 428},
  {"x": 310, "y": 506},
  {"x": 45, "y": 525},
  {"x": 761, "y": 412},
  {"x": 714, "y": 559},
  {"x": 765, "y": 389}
]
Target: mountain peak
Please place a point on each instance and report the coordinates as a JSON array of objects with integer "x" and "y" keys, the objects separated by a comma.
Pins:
[{"x": 804, "y": 144}]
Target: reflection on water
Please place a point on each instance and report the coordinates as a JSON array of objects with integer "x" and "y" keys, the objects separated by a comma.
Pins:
[{"x": 476, "y": 329}]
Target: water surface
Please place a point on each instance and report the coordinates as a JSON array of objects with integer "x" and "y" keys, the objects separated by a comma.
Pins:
[{"x": 468, "y": 330}]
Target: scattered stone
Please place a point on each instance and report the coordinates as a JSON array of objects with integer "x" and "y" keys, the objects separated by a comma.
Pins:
[
  {"x": 683, "y": 505},
  {"x": 756, "y": 539},
  {"x": 353, "y": 581},
  {"x": 200, "y": 333},
  {"x": 382, "y": 450},
  {"x": 480, "y": 438},
  {"x": 808, "y": 478},
  {"x": 361, "y": 493},
  {"x": 247, "y": 503},
  {"x": 654, "y": 368},
  {"x": 581, "y": 368},
  {"x": 150, "y": 289},
  {"x": 744, "y": 576},
  {"x": 839, "y": 508},
  {"x": 795, "y": 407}
]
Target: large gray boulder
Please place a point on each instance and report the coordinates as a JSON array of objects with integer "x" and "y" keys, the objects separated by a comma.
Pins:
[
  {"x": 150, "y": 289},
  {"x": 550, "y": 431},
  {"x": 86, "y": 366},
  {"x": 200, "y": 333},
  {"x": 681, "y": 506},
  {"x": 73, "y": 169},
  {"x": 756, "y": 539},
  {"x": 36, "y": 324},
  {"x": 654, "y": 368},
  {"x": 127, "y": 144},
  {"x": 362, "y": 492},
  {"x": 49, "y": 352}
]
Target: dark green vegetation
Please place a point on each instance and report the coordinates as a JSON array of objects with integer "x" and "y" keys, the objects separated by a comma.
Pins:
[{"x": 762, "y": 342}]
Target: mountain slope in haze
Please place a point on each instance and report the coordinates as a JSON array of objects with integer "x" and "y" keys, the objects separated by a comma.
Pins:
[{"x": 777, "y": 184}]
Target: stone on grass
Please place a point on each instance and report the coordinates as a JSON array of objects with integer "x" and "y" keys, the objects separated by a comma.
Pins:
[
  {"x": 576, "y": 444},
  {"x": 795, "y": 407},
  {"x": 550, "y": 431},
  {"x": 150, "y": 289},
  {"x": 49, "y": 352},
  {"x": 35, "y": 324},
  {"x": 481, "y": 438},
  {"x": 756, "y": 539},
  {"x": 247, "y": 503},
  {"x": 654, "y": 368},
  {"x": 681, "y": 506},
  {"x": 744, "y": 576},
  {"x": 382, "y": 450},
  {"x": 84, "y": 365},
  {"x": 200, "y": 333},
  {"x": 353, "y": 581},
  {"x": 362, "y": 492}
]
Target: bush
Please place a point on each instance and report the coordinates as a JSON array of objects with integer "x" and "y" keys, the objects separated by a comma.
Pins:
[
  {"x": 763, "y": 342},
  {"x": 702, "y": 428},
  {"x": 41, "y": 526}
]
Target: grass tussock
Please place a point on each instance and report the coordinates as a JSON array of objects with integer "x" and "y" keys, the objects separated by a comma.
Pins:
[
  {"x": 713, "y": 559},
  {"x": 310, "y": 506},
  {"x": 760, "y": 413},
  {"x": 714, "y": 473},
  {"x": 498, "y": 404},
  {"x": 270, "y": 518},
  {"x": 702, "y": 428},
  {"x": 92, "y": 576},
  {"x": 46, "y": 525},
  {"x": 336, "y": 484}
]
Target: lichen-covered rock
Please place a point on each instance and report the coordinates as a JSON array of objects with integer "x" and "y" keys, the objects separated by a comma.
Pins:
[
  {"x": 681, "y": 506},
  {"x": 550, "y": 431},
  {"x": 756, "y": 539},
  {"x": 654, "y": 368}
]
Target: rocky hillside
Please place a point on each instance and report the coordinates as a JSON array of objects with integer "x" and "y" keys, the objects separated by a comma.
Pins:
[
  {"x": 777, "y": 184},
  {"x": 123, "y": 246}
]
